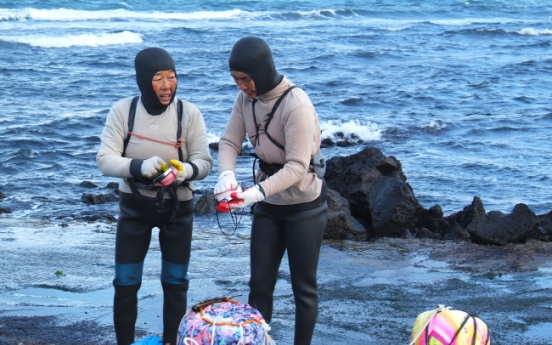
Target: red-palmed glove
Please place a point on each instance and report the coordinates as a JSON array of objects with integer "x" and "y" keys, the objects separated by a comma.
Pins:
[
  {"x": 242, "y": 199},
  {"x": 226, "y": 182}
]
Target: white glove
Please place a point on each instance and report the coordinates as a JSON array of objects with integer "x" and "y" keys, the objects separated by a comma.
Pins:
[
  {"x": 226, "y": 182},
  {"x": 151, "y": 167},
  {"x": 242, "y": 199}
]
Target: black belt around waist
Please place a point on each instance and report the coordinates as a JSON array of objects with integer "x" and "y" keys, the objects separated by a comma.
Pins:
[
  {"x": 269, "y": 168},
  {"x": 144, "y": 184},
  {"x": 281, "y": 209},
  {"x": 272, "y": 168},
  {"x": 162, "y": 204}
]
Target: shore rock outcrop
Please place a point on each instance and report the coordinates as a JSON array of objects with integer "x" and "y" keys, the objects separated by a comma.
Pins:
[
  {"x": 376, "y": 189},
  {"x": 341, "y": 224},
  {"x": 495, "y": 227},
  {"x": 392, "y": 207},
  {"x": 206, "y": 203},
  {"x": 381, "y": 200},
  {"x": 368, "y": 197}
]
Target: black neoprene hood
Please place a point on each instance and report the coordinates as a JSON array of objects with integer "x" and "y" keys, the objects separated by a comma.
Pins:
[
  {"x": 148, "y": 62},
  {"x": 252, "y": 56}
]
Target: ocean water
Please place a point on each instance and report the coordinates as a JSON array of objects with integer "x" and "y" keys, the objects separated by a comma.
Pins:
[{"x": 458, "y": 91}]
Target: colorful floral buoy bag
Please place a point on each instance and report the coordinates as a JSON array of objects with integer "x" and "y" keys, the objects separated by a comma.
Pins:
[
  {"x": 223, "y": 321},
  {"x": 444, "y": 326}
]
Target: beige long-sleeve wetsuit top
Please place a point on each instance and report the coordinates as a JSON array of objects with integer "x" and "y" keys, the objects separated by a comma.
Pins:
[
  {"x": 295, "y": 126},
  {"x": 161, "y": 127}
]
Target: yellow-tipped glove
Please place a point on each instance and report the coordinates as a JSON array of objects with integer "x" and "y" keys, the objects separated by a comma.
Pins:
[
  {"x": 184, "y": 170},
  {"x": 151, "y": 167}
]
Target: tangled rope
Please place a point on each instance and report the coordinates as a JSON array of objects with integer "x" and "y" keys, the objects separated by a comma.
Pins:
[{"x": 236, "y": 219}]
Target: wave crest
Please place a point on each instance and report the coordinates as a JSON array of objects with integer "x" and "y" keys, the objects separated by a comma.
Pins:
[
  {"x": 534, "y": 32},
  {"x": 363, "y": 130},
  {"x": 64, "y": 14},
  {"x": 90, "y": 40}
]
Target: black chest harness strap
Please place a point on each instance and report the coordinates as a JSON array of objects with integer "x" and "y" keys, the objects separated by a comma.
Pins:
[
  {"x": 132, "y": 116},
  {"x": 138, "y": 183},
  {"x": 269, "y": 117},
  {"x": 271, "y": 168},
  {"x": 268, "y": 168}
]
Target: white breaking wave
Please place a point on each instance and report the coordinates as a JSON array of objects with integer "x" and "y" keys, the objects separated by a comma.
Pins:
[
  {"x": 481, "y": 21},
  {"x": 90, "y": 40},
  {"x": 337, "y": 131},
  {"x": 63, "y": 14},
  {"x": 212, "y": 138},
  {"x": 366, "y": 131},
  {"x": 436, "y": 126},
  {"x": 534, "y": 32}
]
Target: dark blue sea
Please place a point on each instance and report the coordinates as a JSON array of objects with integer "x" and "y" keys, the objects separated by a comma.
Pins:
[{"x": 457, "y": 91}]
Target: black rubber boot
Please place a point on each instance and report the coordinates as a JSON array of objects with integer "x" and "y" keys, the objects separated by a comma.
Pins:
[
  {"x": 125, "y": 312},
  {"x": 174, "y": 308}
]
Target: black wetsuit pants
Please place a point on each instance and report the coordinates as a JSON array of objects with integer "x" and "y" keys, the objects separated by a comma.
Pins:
[
  {"x": 300, "y": 233},
  {"x": 138, "y": 216}
]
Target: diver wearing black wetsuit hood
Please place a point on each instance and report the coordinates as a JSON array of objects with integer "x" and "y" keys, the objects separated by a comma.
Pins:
[
  {"x": 291, "y": 210},
  {"x": 252, "y": 56},
  {"x": 147, "y": 63},
  {"x": 152, "y": 145}
]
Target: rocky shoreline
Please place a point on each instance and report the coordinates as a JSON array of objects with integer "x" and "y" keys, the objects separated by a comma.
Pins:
[{"x": 369, "y": 198}]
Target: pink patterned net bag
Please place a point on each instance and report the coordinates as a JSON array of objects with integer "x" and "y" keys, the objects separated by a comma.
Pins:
[{"x": 223, "y": 321}]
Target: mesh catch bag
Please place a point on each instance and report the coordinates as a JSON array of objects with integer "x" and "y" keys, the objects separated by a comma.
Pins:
[
  {"x": 445, "y": 326},
  {"x": 223, "y": 321}
]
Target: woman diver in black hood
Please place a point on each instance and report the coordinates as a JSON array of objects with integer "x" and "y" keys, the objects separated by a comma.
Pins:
[
  {"x": 147, "y": 64},
  {"x": 291, "y": 210},
  {"x": 167, "y": 135},
  {"x": 252, "y": 56}
]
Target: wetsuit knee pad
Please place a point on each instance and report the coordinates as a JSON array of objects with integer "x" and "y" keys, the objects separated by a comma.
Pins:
[
  {"x": 174, "y": 273},
  {"x": 128, "y": 274}
]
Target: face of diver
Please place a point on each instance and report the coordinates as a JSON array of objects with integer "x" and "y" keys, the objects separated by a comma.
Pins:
[
  {"x": 245, "y": 83},
  {"x": 164, "y": 85}
]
